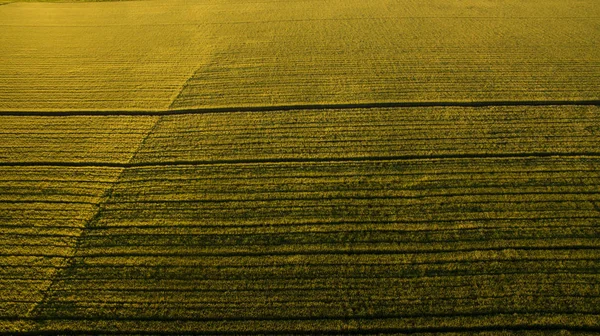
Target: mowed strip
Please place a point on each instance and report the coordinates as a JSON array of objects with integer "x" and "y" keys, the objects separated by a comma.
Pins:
[
  {"x": 374, "y": 133},
  {"x": 44, "y": 209},
  {"x": 210, "y": 240}
]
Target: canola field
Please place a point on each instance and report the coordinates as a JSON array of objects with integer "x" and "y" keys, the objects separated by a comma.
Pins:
[{"x": 305, "y": 167}]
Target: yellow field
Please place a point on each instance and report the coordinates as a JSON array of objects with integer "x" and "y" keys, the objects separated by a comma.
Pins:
[
  {"x": 300, "y": 167},
  {"x": 152, "y": 55},
  {"x": 102, "y": 55},
  {"x": 386, "y": 219}
]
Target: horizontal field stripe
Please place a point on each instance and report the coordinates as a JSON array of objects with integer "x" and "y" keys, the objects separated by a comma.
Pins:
[
  {"x": 350, "y": 195},
  {"x": 323, "y": 251},
  {"x": 182, "y": 274},
  {"x": 590, "y": 154},
  {"x": 299, "y": 107},
  {"x": 235, "y": 266},
  {"x": 500, "y": 329},
  {"x": 45, "y": 201},
  {"x": 300, "y": 223},
  {"x": 276, "y": 318},
  {"x": 301, "y": 301},
  {"x": 317, "y": 261}
]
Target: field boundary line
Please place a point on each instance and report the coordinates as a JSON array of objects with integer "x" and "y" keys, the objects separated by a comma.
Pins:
[
  {"x": 300, "y": 107},
  {"x": 327, "y": 331},
  {"x": 381, "y": 316},
  {"x": 130, "y": 164}
]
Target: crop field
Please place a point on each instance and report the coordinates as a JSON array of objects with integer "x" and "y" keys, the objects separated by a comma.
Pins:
[
  {"x": 152, "y": 55},
  {"x": 305, "y": 167}
]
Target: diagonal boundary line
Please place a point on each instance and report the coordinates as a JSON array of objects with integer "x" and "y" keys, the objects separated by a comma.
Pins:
[
  {"x": 275, "y": 160},
  {"x": 34, "y": 313},
  {"x": 184, "y": 86},
  {"x": 300, "y": 107}
]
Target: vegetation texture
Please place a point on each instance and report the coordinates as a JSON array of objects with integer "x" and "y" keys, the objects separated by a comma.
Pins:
[
  {"x": 148, "y": 55},
  {"x": 300, "y": 167}
]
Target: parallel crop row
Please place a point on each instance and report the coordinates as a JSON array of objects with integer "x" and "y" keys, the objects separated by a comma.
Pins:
[
  {"x": 177, "y": 54},
  {"x": 302, "y": 246},
  {"x": 115, "y": 55},
  {"x": 377, "y": 220},
  {"x": 374, "y": 133},
  {"x": 380, "y": 220},
  {"x": 333, "y": 54},
  {"x": 102, "y": 139}
]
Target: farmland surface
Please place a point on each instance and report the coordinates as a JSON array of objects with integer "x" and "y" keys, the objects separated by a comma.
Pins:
[
  {"x": 152, "y": 55},
  {"x": 300, "y": 167}
]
